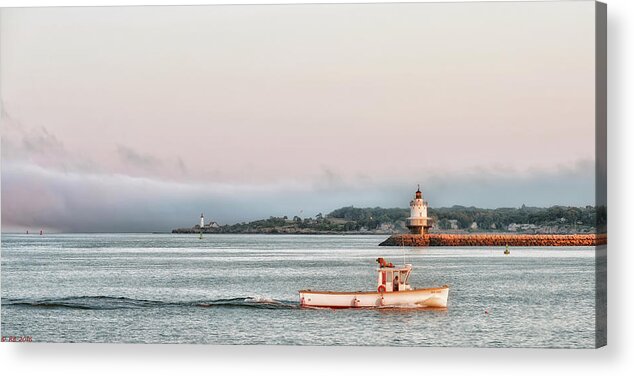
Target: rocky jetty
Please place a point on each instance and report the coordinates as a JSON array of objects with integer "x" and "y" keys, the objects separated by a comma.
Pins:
[{"x": 485, "y": 240}]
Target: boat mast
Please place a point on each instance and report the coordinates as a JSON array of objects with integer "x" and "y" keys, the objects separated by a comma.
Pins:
[{"x": 403, "y": 249}]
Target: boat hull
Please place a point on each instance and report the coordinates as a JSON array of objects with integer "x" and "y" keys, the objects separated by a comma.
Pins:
[{"x": 435, "y": 297}]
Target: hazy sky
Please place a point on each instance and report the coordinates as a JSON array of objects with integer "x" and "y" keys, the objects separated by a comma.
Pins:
[{"x": 139, "y": 118}]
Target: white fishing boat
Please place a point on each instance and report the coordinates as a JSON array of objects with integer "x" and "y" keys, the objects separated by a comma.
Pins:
[{"x": 393, "y": 290}]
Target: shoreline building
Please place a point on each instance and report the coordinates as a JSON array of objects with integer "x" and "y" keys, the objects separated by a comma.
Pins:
[
  {"x": 418, "y": 223},
  {"x": 211, "y": 225}
]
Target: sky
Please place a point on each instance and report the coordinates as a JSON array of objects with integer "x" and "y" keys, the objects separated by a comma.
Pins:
[{"x": 140, "y": 118}]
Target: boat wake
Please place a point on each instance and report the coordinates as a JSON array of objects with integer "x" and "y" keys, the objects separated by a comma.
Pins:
[{"x": 110, "y": 303}]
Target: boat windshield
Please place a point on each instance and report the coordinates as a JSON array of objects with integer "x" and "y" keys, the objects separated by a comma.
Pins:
[{"x": 404, "y": 276}]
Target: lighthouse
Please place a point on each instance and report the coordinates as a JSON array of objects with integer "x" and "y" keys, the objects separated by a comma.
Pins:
[
  {"x": 202, "y": 220},
  {"x": 418, "y": 223}
]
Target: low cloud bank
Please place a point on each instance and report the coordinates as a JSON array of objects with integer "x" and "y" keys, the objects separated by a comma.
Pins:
[{"x": 34, "y": 197}]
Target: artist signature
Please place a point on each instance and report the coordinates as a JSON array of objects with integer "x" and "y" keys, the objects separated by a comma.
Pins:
[{"x": 17, "y": 339}]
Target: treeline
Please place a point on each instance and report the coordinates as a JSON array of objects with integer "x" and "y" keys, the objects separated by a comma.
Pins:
[
  {"x": 378, "y": 220},
  {"x": 357, "y": 219},
  {"x": 587, "y": 216},
  {"x": 285, "y": 225},
  {"x": 461, "y": 217}
]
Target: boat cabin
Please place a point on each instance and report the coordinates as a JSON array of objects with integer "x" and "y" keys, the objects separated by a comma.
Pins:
[{"x": 391, "y": 278}]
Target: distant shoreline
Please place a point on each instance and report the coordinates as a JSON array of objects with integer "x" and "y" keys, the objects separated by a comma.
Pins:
[
  {"x": 454, "y": 220},
  {"x": 196, "y": 232},
  {"x": 273, "y": 233}
]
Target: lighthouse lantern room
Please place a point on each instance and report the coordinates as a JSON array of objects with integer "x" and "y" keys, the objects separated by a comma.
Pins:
[{"x": 418, "y": 223}]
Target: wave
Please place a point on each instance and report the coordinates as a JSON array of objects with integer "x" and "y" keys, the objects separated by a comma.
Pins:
[{"x": 109, "y": 303}]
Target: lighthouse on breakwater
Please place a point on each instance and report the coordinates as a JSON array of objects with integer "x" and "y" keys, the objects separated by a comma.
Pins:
[{"x": 418, "y": 223}]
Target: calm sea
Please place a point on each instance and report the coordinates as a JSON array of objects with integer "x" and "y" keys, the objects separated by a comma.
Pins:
[{"x": 242, "y": 289}]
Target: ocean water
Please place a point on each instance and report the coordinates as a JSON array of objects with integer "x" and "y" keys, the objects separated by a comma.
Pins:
[{"x": 242, "y": 289}]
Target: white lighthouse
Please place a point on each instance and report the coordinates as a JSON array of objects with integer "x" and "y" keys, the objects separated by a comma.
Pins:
[
  {"x": 418, "y": 222},
  {"x": 202, "y": 220}
]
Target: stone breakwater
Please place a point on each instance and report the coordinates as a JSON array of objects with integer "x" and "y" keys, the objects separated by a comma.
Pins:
[{"x": 489, "y": 240}]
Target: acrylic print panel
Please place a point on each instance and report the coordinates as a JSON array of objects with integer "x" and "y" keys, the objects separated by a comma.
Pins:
[{"x": 416, "y": 174}]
